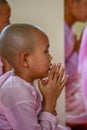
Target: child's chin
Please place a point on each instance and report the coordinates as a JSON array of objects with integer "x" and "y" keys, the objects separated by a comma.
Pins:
[{"x": 44, "y": 76}]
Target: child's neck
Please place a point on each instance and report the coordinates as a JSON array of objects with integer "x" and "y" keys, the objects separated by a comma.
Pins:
[{"x": 23, "y": 76}]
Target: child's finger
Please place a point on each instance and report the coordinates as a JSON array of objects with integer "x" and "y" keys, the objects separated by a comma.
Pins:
[
  {"x": 64, "y": 81},
  {"x": 60, "y": 75},
  {"x": 52, "y": 71},
  {"x": 57, "y": 71},
  {"x": 61, "y": 85}
]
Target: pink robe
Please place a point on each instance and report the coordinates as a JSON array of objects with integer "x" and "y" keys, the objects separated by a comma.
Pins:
[
  {"x": 75, "y": 106},
  {"x": 83, "y": 64},
  {"x": 21, "y": 108}
]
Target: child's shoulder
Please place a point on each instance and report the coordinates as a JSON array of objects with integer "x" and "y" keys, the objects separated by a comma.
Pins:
[{"x": 15, "y": 91}]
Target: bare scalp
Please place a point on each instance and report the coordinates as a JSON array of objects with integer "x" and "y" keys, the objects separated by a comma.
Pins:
[{"x": 18, "y": 38}]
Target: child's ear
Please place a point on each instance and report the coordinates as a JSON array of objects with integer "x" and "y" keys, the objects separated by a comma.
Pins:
[{"x": 24, "y": 59}]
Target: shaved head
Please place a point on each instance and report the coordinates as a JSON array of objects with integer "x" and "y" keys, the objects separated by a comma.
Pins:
[{"x": 18, "y": 38}]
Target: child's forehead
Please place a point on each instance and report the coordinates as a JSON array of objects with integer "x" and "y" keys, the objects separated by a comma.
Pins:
[
  {"x": 41, "y": 37},
  {"x": 43, "y": 44}
]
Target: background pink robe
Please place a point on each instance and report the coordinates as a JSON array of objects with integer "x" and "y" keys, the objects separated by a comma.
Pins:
[
  {"x": 75, "y": 106},
  {"x": 83, "y": 64}
]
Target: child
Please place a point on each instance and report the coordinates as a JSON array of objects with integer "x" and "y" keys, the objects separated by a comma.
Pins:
[
  {"x": 5, "y": 12},
  {"x": 75, "y": 10},
  {"x": 26, "y": 47}
]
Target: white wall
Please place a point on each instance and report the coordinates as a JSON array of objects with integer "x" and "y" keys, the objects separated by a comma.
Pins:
[{"x": 48, "y": 14}]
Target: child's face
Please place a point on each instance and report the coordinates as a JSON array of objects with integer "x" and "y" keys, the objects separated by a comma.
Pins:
[
  {"x": 79, "y": 10},
  {"x": 40, "y": 60},
  {"x": 4, "y": 16}
]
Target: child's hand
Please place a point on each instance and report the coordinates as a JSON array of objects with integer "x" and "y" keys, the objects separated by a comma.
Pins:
[{"x": 52, "y": 87}]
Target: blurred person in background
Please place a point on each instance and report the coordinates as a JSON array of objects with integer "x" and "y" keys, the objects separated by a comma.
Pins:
[
  {"x": 5, "y": 13},
  {"x": 75, "y": 11}
]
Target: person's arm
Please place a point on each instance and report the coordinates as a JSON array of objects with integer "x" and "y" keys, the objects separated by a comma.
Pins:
[{"x": 51, "y": 88}]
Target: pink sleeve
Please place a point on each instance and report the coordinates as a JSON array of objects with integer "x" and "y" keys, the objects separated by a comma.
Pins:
[
  {"x": 53, "y": 120},
  {"x": 24, "y": 117}
]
